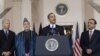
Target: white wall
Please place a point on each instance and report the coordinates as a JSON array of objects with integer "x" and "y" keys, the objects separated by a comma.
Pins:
[
  {"x": 26, "y": 11},
  {"x": 37, "y": 13},
  {"x": 97, "y": 15},
  {"x": 1, "y": 10}
]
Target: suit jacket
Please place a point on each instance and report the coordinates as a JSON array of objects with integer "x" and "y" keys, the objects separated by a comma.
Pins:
[
  {"x": 93, "y": 44},
  {"x": 47, "y": 30},
  {"x": 7, "y": 43}
]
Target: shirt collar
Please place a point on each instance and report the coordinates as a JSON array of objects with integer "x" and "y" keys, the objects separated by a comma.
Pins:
[
  {"x": 52, "y": 25},
  {"x": 92, "y": 30},
  {"x": 6, "y": 30}
]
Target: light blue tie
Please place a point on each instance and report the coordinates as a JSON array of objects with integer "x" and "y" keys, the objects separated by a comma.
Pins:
[{"x": 53, "y": 31}]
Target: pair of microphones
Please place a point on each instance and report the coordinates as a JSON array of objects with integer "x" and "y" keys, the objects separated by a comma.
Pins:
[{"x": 53, "y": 32}]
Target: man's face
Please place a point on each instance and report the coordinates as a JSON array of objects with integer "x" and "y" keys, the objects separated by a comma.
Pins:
[
  {"x": 6, "y": 24},
  {"x": 91, "y": 24},
  {"x": 52, "y": 19},
  {"x": 26, "y": 26}
]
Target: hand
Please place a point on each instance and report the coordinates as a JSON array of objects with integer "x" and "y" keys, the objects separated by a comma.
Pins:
[
  {"x": 26, "y": 54},
  {"x": 8, "y": 53},
  {"x": 3, "y": 53},
  {"x": 89, "y": 51}
]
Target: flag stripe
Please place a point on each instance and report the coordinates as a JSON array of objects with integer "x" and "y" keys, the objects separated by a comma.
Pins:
[
  {"x": 77, "y": 49},
  {"x": 77, "y": 45},
  {"x": 76, "y": 52},
  {"x": 78, "y": 41}
]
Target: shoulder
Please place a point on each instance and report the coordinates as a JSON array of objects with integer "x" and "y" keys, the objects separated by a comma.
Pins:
[
  {"x": 12, "y": 32},
  {"x": 46, "y": 27},
  {"x": 85, "y": 32},
  {"x": 58, "y": 26},
  {"x": 1, "y": 30},
  {"x": 97, "y": 31},
  {"x": 34, "y": 33},
  {"x": 20, "y": 33}
]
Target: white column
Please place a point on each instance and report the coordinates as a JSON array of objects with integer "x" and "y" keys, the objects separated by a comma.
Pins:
[
  {"x": 26, "y": 10},
  {"x": 1, "y": 10}
]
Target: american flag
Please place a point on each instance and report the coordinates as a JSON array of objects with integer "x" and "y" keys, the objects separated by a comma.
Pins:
[{"x": 76, "y": 48}]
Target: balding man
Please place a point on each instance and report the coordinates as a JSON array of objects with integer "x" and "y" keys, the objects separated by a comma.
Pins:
[{"x": 7, "y": 38}]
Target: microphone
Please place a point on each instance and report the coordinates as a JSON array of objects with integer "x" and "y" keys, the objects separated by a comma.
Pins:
[{"x": 53, "y": 32}]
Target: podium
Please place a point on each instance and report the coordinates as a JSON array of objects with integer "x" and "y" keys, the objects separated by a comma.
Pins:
[{"x": 52, "y": 46}]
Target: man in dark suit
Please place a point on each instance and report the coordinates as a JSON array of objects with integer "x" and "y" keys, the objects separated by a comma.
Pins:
[
  {"x": 7, "y": 38},
  {"x": 90, "y": 40},
  {"x": 52, "y": 29}
]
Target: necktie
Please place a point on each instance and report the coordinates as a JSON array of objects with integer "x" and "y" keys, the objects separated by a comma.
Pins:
[
  {"x": 90, "y": 35},
  {"x": 6, "y": 33},
  {"x": 53, "y": 31}
]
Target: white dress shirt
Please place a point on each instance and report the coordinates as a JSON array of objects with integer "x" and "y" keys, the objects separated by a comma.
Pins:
[
  {"x": 6, "y": 31},
  {"x": 52, "y": 25},
  {"x": 91, "y": 33}
]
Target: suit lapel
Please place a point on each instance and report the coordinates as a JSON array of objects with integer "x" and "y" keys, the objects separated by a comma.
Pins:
[
  {"x": 48, "y": 28},
  {"x": 93, "y": 36},
  {"x": 88, "y": 36},
  {"x": 9, "y": 33},
  {"x": 3, "y": 34}
]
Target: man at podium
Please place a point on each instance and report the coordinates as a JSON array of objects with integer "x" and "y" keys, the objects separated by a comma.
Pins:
[{"x": 52, "y": 28}]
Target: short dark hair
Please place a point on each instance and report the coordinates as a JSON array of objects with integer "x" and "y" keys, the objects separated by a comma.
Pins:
[
  {"x": 50, "y": 14},
  {"x": 93, "y": 20}
]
